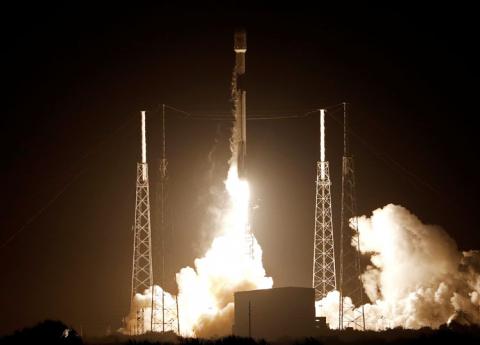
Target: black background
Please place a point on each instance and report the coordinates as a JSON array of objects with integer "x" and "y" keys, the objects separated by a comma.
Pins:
[{"x": 75, "y": 78}]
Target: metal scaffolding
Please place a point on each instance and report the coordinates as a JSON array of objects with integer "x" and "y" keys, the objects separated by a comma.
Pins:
[
  {"x": 142, "y": 276},
  {"x": 323, "y": 249}
]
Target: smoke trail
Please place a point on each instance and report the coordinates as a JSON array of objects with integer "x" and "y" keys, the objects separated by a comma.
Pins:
[{"x": 417, "y": 276}]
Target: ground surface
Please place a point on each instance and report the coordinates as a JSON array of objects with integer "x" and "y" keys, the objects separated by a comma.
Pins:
[{"x": 53, "y": 332}]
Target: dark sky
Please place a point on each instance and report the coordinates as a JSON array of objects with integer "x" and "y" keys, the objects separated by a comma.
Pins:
[{"x": 75, "y": 78}]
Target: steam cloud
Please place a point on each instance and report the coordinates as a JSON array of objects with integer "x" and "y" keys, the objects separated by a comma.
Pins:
[{"x": 417, "y": 277}]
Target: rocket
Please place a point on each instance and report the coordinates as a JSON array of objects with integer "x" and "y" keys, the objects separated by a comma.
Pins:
[{"x": 239, "y": 96}]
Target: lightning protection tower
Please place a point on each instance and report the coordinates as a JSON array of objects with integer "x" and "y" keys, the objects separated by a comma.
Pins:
[
  {"x": 323, "y": 249},
  {"x": 142, "y": 277},
  {"x": 350, "y": 282},
  {"x": 164, "y": 317}
]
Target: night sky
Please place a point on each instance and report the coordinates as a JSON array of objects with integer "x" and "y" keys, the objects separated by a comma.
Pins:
[{"x": 74, "y": 82}]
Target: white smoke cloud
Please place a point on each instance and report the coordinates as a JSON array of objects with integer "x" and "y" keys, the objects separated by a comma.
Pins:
[
  {"x": 206, "y": 291},
  {"x": 417, "y": 277},
  {"x": 142, "y": 309}
]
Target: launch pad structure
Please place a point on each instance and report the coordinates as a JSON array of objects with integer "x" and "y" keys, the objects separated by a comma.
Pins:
[
  {"x": 165, "y": 319},
  {"x": 325, "y": 277},
  {"x": 324, "y": 272}
]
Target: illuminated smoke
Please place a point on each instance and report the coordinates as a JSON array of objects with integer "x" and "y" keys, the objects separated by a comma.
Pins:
[
  {"x": 206, "y": 293},
  {"x": 417, "y": 277}
]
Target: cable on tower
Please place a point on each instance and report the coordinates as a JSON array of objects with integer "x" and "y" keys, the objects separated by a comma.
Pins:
[
  {"x": 168, "y": 321},
  {"x": 224, "y": 116},
  {"x": 350, "y": 284}
]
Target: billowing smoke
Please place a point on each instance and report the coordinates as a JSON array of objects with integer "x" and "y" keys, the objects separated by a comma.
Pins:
[
  {"x": 205, "y": 298},
  {"x": 206, "y": 292},
  {"x": 417, "y": 276}
]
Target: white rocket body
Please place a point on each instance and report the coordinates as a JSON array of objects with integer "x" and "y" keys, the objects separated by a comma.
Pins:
[{"x": 240, "y": 98}]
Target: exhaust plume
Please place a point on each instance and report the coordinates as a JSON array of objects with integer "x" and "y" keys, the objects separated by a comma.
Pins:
[{"x": 417, "y": 277}]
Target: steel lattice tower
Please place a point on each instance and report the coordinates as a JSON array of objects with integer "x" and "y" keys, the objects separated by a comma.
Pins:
[
  {"x": 323, "y": 249},
  {"x": 164, "y": 318},
  {"x": 142, "y": 276},
  {"x": 350, "y": 281}
]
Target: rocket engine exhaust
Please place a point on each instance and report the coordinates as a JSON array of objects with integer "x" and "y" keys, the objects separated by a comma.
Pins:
[{"x": 230, "y": 264}]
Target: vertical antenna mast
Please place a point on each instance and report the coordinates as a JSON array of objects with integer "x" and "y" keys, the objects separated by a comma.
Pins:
[
  {"x": 142, "y": 276},
  {"x": 350, "y": 282},
  {"x": 323, "y": 249},
  {"x": 163, "y": 197},
  {"x": 168, "y": 321}
]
